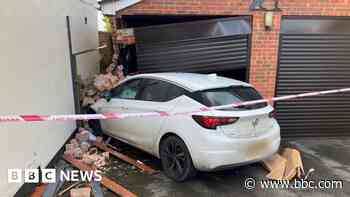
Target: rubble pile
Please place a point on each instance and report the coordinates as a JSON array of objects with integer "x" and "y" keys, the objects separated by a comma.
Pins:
[
  {"x": 80, "y": 148},
  {"x": 92, "y": 89}
]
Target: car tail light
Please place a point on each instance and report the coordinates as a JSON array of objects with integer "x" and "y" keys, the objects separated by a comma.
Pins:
[
  {"x": 211, "y": 122},
  {"x": 272, "y": 114}
]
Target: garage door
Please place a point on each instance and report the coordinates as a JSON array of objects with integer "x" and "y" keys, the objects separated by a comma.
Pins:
[
  {"x": 314, "y": 56},
  {"x": 200, "y": 46}
]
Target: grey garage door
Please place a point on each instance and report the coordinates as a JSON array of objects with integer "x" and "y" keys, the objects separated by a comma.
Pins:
[
  {"x": 314, "y": 56},
  {"x": 200, "y": 46}
]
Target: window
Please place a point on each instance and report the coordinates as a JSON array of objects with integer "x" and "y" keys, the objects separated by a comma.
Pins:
[
  {"x": 229, "y": 95},
  {"x": 160, "y": 91},
  {"x": 174, "y": 92},
  {"x": 128, "y": 90}
]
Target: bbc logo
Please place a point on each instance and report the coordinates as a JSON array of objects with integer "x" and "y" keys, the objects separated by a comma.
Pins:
[
  {"x": 31, "y": 175},
  {"x": 51, "y": 175}
]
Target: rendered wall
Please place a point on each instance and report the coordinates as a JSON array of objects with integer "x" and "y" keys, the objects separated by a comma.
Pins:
[{"x": 36, "y": 77}]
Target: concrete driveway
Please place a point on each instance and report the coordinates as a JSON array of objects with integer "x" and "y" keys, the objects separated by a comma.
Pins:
[{"x": 329, "y": 157}]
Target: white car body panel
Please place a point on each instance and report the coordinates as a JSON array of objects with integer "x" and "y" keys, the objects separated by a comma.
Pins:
[
  {"x": 255, "y": 136},
  {"x": 193, "y": 82}
]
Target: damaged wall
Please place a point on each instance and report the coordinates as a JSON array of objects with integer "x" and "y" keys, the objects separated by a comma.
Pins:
[{"x": 36, "y": 77}]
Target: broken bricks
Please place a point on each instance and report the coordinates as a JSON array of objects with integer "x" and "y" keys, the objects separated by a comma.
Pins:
[
  {"x": 84, "y": 146},
  {"x": 80, "y": 148},
  {"x": 92, "y": 88},
  {"x": 98, "y": 160},
  {"x": 82, "y": 135},
  {"x": 80, "y": 192}
]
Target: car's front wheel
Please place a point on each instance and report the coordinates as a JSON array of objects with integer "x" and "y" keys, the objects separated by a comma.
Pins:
[{"x": 176, "y": 159}]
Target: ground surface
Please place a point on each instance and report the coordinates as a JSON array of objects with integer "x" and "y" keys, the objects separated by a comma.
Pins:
[{"x": 329, "y": 157}]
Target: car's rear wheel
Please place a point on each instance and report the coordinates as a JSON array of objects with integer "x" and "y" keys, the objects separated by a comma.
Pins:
[{"x": 176, "y": 159}]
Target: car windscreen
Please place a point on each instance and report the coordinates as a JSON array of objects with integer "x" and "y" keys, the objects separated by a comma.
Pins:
[{"x": 229, "y": 95}]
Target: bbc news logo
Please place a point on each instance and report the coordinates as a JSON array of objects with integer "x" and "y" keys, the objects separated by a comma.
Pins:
[{"x": 51, "y": 175}]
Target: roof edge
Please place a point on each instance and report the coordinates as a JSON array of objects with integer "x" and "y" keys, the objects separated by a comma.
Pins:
[{"x": 112, "y": 7}]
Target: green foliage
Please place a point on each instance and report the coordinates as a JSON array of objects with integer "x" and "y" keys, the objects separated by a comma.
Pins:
[{"x": 108, "y": 25}]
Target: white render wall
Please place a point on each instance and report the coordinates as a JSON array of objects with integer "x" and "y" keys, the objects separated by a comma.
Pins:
[{"x": 35, "y": 77}]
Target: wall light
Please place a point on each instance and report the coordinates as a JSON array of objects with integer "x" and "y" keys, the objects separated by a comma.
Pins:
[{"x": 268, "y": 20}]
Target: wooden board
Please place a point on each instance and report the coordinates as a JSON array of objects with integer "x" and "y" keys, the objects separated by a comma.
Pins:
[
  {"x": 108, "y": 183},
  {"x": 125, "y": 158}
]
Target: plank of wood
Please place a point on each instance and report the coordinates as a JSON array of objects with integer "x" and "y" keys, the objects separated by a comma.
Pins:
[
  {"x": 68, "y": 188},
  {"x": 39, "y": 190},
  {"x": 108, "y": 183},
  {"x": 125, "y": 158}
]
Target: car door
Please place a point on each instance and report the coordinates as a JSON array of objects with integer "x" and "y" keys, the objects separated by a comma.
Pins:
[
  {"x": 155, "y": 96},
  {"x": 121, "y": 99}
]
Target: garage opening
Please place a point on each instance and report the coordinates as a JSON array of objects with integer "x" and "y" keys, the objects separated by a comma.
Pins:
[{"x": 198, "y": 44}]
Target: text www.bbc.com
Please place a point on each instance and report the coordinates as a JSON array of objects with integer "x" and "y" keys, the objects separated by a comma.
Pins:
[{"x": 251, "y": 183}]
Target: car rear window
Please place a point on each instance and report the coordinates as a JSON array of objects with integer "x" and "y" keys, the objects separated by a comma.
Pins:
[{"x": 229, "y": 95}]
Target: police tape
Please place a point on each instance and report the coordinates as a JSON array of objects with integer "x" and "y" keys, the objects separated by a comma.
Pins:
[{"x": 117, "y": 116}]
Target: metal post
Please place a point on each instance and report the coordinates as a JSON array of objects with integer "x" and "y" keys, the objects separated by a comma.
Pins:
[{"x": 73, "y": 63}]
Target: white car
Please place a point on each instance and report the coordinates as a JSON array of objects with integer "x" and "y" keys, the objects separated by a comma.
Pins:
[{"x": 205, "y": 141}]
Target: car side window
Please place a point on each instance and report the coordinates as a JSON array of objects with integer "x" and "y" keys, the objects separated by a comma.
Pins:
[
  {"x": 160, "y": 91},
  {"x": 128, "y": 90},
  {"x": 174, "y": 92}
]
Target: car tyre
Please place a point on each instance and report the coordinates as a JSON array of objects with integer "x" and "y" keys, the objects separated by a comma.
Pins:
[{"x": 176, "y": 159}]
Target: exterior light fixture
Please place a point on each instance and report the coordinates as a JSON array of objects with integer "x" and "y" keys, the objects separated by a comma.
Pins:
[{"x": 268, "y": 20}]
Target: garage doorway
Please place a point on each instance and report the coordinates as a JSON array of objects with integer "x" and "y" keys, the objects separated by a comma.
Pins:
[{"x": 199, "y": 44}]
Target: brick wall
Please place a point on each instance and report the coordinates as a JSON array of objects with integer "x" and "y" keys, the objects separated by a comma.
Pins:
[
  {"x": 113, "y": 20},
  {"x": 264, "y": 54},
  {"x": 106, "y": 53},
  {"x": 103, "y": 37}
]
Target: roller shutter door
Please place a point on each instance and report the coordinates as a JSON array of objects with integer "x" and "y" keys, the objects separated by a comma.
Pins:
[
  {"x": 201, "y": 46},
  {"x": 314, "y": 56}
]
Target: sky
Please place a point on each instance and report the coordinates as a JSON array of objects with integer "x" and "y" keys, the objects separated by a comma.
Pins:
[{"x": 101, "y": 26}]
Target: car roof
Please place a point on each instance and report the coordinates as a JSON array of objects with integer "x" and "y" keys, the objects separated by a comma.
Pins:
[{"x": 193, "y": 81}]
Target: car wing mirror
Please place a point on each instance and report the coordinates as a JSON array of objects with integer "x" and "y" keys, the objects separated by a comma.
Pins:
[{"x": 107, "y": 96}]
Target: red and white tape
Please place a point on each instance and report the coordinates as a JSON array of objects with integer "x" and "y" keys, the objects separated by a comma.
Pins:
[{"x": 116, "y": 116}]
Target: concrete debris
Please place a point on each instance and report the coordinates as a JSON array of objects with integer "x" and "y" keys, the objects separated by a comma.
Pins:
[
  {"x": 85, "y": 147},
  {"x": 80, "y": 192},
  {"x": 82, "y": 135},
  {"x": 77, "y": 153},
  {"x": 286, "y": 166},
  {"x": 81, "y": 148}
]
